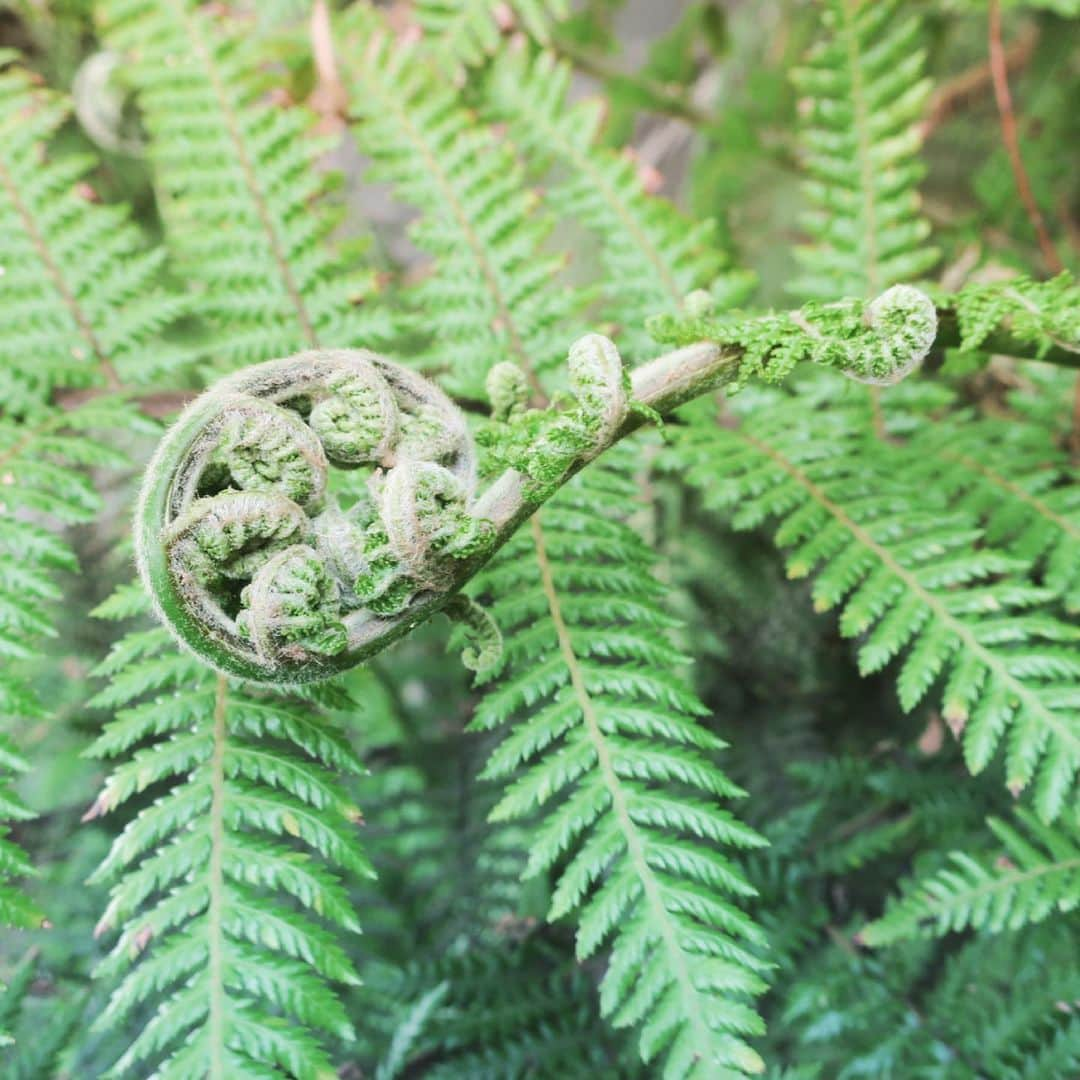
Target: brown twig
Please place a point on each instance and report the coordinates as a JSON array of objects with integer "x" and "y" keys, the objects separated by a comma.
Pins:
[{"x": 1010, "y": 136}]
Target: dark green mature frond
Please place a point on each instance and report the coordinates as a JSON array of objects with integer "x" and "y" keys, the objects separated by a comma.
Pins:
[
  {"x": 1002, "y": 1007},
  {"x": 652, "y": 255},
  {"x": 464, "y": 32},
  {"x": 1013, "y": 477},
  {"x": 606, "y": 748},
  {"x": 33, "y": 1035},
  {"x": 226, "y": 888},
  {"x": 489, "y": 296},
  {"x": 502, "y": 1009},
  {"x": 41, "y": 490},
  {"x": 239, "y": 183},
  {"x": 1036, "y": 874},
  {"x": 76, "y": 280},
  {"x": 864, "y": 94},
  {"x": 906, "y": 572}
]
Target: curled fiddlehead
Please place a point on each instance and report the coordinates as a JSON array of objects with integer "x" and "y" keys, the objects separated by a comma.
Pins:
[
  {"x": 268, "y": 567},
  {"x": 242, "y": 539}
]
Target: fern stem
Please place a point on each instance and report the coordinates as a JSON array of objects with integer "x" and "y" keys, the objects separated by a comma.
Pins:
[
  {"x": 631, "y": 834},
  {"x": 216, "y": 906}
]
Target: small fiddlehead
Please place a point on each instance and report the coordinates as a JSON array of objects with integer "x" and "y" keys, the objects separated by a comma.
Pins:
[{"x": 250, "y": 558}]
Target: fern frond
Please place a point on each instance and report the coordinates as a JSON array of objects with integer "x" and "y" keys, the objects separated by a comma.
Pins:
[
  {"x": 241, "y": 191},
  {"x": 495, "y": 1011},
  {"x": 226, "y": 888},
  {"x": 489, "y": 296},
  {"x": 652, "y": 255},
  {"x": 606, "y": 748},
  {"x": 465, "y": 32},
  {"x": 1037, "y": 874},
  {"x": 77, "y": 281},
  {"x": 41, "y": 490},
  {"x": 1043, "y": 314},
  {"x": 865, "y": 92},
  {"x": 1012, "y": 476},
  {"x": 907, "y": 574}
]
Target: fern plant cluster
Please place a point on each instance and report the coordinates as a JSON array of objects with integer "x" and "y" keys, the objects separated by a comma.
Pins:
[{"x": 708, "y": 371}]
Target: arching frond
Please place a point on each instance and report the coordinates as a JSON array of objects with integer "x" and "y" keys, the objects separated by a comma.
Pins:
[
  {"x": 606, "y": 749},
  {"x": 77, "y": 281},
  {"x": 240, "y": 188},
  {"x": 906, "y": 573},
  {"x": 489, "y": 296},
  {"x": 227, "y": 891},
  {"x": 1013, "y": 477},
  {"x": 652, "y": 255},
  {"x": 42, "y": 488},
  {"x": 464, "y": 32},
  {"x": 864, "y": 93},
  {"x": 1036, "y": 874}
]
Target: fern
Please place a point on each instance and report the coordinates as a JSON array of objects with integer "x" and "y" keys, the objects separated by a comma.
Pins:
[
  {"x": 42, "y": 489},
  {"x": 652, "y": 256},
  {"x": 222, "y": 895},
  {"x": 489, "y": 297},
  {"x": 78, "y": 284},
  {"x": 464, "y": 32},
  {"x": 1010, "y": 475},
  {"x": 40, "y": 1032},
  {"x": 1038, "y": 873},
  {"x": 1001, "y": 1009},
  {"x": 864, "y": 92},
  {"x": 907, "y": 575},
  {"x": 1042, "y": 314},
  {"x": 611, "y": 755},
  {"x": 15, "y": 908},
  {"x": 502, "y": 1009},
  {"x": 239, "y": 184}
]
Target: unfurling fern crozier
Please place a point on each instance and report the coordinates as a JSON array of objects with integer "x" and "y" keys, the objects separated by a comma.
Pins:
[
  {"x": 242, "y": 541},
  {"x": 256, "y": 565}
]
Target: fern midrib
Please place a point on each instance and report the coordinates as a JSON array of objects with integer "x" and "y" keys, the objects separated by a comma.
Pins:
[
  {"x": 435, "y": 170},
  {"x": 631, "y": 834},
  {"x": 1016, "y": 491},
  {"x": 960, "y": 629},
  {"x": 216, "y": 887},
  {"x": 247, "y": 167},
  {"x": 64, "y": 291}
]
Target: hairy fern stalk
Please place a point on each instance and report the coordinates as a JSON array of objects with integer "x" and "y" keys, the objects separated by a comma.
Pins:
[{"x": 749, "y": 743}]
